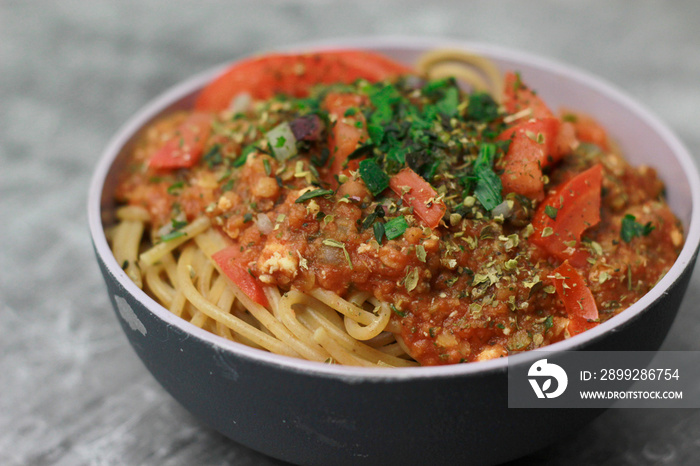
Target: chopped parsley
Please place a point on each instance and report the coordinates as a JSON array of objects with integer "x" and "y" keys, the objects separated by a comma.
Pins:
[
  {"x": 213, "y": 157},
  {"x": 178, "y": 224},
  {"x": 228, "y": 186},
  {"x": 362, "y": 151},
  {"x": 175, "y": 188},
  {"x": 482, "y": 107},
  {"x": 396, "y": 311},
  {"x": 379, "y": 231},
  {"x": 395, "y": 227},
  {"x": 449, "y": 101},
  {"x": 371, "y": 218},
  {"x": 322, "y": 158},
  {"x": 488, "y": 184},
  {"x": 240, "y": 161},
  {"x": 374, "y": 176},
  {"x": 548, "y": 323},
  {"x": 172, "y": 235},
  {"x": 631, "y": 228}
]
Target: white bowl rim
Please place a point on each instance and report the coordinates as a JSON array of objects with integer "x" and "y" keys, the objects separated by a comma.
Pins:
[{"x": 357, "y": 374}]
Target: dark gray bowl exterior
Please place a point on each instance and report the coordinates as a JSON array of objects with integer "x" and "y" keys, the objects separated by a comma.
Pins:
[{"x": 311, "y": 420}]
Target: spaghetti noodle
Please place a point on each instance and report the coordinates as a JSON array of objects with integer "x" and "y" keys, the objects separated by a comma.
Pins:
[{"x": 391, "y": 218}]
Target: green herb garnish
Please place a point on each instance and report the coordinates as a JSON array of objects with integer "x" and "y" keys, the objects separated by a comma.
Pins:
[
  {"x": 482, "y": 107},
  {"x": 363, "y": 150},
  {"x": 396, "y": 311},
  {"x": 371, "y": 218},
  {"x": 551, "y": 212},
  {"x": 315, "y": 193},
  {"x": 411, "y": 279},
  {"x": 631, "y": 228},
  {"x": 175, "y": 188},
  {"x": 322, "y": 159},
  {"x": 420, "y": 253},
  {"x": 374, "y": 176},
  {"x": 240, "y": 161},
  {"x": 449, "y": 102},
  {"x": 213, "y": 157},
  {"x": 488, "y": 184},
  {"x": 178, "y": 224},
  {"x": 395, "y": 227},
  {"x": 172, "y": 235},
  {"x": 228, "y": 186},
  {"x": 379, "y": 231},
  {"x": 548, "y": 323}
]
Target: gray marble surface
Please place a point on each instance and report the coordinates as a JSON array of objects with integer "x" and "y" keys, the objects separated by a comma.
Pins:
[{"x": 72, "y": 392}]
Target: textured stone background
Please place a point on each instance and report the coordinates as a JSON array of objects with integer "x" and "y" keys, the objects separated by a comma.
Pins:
[{"x": 71, "y": 390}]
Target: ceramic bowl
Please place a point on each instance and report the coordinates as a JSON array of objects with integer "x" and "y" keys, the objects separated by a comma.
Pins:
[{"x": 311, "y": 413}]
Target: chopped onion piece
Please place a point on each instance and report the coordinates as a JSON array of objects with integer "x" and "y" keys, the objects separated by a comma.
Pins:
[
  {"x": 240, "y": 103},
  {"x": 505, "y": 208},
  {"x": 264, "y": 224},
  {"x": 282, "y": 141}
]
